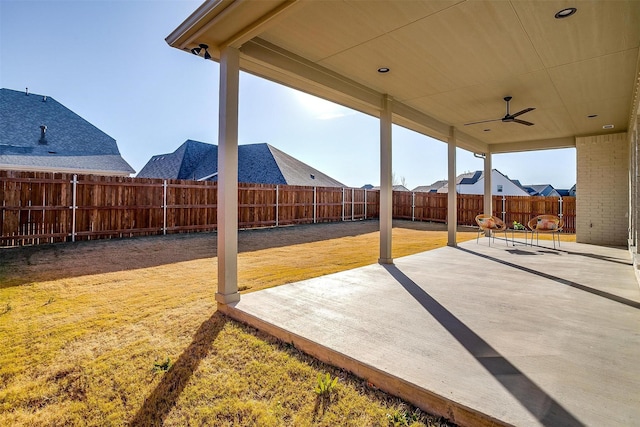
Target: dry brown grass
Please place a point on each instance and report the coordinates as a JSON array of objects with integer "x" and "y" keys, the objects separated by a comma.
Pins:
[{"x": 82, "y": 326}]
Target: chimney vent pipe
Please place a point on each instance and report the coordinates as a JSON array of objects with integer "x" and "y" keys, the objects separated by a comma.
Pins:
[{"x": 43, "y": 134}]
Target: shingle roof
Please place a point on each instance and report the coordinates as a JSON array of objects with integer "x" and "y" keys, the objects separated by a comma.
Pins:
[
  {"x": 72, "y": 143},
  {"x": 397, "y": 187},
  {"x": 431, "y": 188},
  {"x": 541, "y": 190},
  {"x": 257, "y": 163}
]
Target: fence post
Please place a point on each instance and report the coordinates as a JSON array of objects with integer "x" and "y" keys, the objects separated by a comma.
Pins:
[
  {"x": 560, "y": 206},
  {"x": 315, "y": 205},
  {"x": 164, "y": 207},
  {"x": 342, "y": 204},
  {"x": 413, "y": 206},
  {"x": 277, "y": 198},
  {"x": 353, "y": 203},
  {"x": 365, "y": 203},
  {"x": 503, "y": 210},
  {"x": 73, "y": 207}
]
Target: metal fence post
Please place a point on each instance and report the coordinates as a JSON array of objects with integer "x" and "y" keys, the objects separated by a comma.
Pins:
[
  {"x": 315, "y": 205},
  {"x": 353, "y": 203},
  {"x": 365, "y": 203},
  {"x": 504, "y": 213},
  {"x": 413, "y": 206},
  {"x": 164, "y": 207},
  {"x": 560, "y": 206},
  {"x": 277, "y": 198},
  {"x": 74, "y": 206}
]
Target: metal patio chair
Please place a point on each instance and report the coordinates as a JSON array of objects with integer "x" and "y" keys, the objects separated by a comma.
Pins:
[
  {"x": 493, "y": 225},
  {"x": 550, "y": 224}
]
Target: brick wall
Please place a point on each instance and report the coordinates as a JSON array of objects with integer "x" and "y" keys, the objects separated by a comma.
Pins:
[{"x": 602, "y": 198}]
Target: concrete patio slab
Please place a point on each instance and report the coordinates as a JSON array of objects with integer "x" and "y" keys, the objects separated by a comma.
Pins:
[{"x": 484, "y": 335}]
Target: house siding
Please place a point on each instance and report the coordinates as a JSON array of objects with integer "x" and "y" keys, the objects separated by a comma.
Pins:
[{"x": 602, "y": 177}]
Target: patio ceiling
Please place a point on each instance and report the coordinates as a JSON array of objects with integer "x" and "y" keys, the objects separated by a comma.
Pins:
[{"x": 451, "y": 62}]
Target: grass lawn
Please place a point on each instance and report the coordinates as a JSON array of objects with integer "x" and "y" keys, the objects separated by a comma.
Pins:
[{"x": 125, "y": 332}]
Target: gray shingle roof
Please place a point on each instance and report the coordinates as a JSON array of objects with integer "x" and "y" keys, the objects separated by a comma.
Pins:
[
  {"x": 257, "y": 163},
  {"x": 72, "y": 144},
  {"x": 545, "y": 190}
]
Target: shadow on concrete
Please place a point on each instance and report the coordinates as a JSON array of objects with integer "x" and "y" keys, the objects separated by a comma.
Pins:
[
  {"x": 598, "y": 292},
  {"x": 163, "y": 398},
  {"x": 542, "y": 406}
]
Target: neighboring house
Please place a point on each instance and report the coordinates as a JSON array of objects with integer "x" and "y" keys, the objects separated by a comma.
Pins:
[
  {"x": 395, "y": 188},
  {"x": 473, "y": 183},
  {"x": 257, "y": 163},
  {"x": 433, "y": 188},
  {"x": 544, "y": 190},
  {"x": 39, "y": 134},
  {"x": 570, "y": 192}
]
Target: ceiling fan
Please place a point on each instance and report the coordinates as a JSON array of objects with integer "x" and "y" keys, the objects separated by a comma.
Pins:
[{"x": 508, "y": 117}]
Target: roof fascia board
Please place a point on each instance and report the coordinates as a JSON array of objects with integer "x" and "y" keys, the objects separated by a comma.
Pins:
[
  {"x": 540, "y": 144},
  {"x": 177, "y": 37}
]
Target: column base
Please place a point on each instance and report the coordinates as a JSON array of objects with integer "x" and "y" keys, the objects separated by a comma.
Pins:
[
  {"x": 385, "y": 260},
  {"x": 227, "y": 298}
]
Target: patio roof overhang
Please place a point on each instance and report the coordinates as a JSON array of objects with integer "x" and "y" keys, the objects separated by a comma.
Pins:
[{"x": 450, "y": 62}]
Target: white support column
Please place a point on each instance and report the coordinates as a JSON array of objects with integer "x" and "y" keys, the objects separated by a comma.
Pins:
[
  {"x": 228, "y": 178},
  {"x": 487, "y": 201},
  {"x": 488, "y": 206},
  {"x": 452, "y": 196},
  {"x": 386, "y": 185}
]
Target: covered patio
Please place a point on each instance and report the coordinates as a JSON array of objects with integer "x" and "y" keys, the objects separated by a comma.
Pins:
[
  {"x": 511, "y": 335},
  {"x": 483, "y": 335}
]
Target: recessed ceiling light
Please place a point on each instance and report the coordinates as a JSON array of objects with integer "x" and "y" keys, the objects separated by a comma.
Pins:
[
  {"x": 383, "y": 70},
  {"x": 591, "y": 116},
  {"x": 607, "y": 127},
  {"x": 565, "y": 13}
]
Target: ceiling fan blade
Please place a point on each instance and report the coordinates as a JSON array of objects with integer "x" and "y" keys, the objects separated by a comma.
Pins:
[
  {"x": 482, "y": 121},
  {"x": 522, "y": 122},
  {"x": 519, "y": 113}
]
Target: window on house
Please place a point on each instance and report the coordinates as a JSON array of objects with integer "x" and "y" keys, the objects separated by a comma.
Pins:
[{"x": 499, "y": 188}]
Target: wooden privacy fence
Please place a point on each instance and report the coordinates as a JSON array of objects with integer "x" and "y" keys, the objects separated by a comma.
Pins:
[
  {"x": 46, "y": 208},
  {"x": 433, "y": 207}
]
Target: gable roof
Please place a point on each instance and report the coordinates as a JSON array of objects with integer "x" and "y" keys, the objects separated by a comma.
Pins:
[
  {"x": 469, "y": 178},
  {"x": 397, "y": 187},
  {"x": 259, "y": 163},
  {"x": 431, "y": 188},
  {"x": 545, "y": 190},
  {"x": 70, "y": 143}
]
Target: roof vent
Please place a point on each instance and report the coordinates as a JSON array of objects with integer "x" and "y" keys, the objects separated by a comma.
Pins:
[
  {"x": 43, "y": 135},
  {"x": 44, "y": 98},
  {"x": 26, "y": 91}
]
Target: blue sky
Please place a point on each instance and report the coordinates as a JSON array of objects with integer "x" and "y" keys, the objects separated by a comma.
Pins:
[{"x": 108, "y": 62}]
